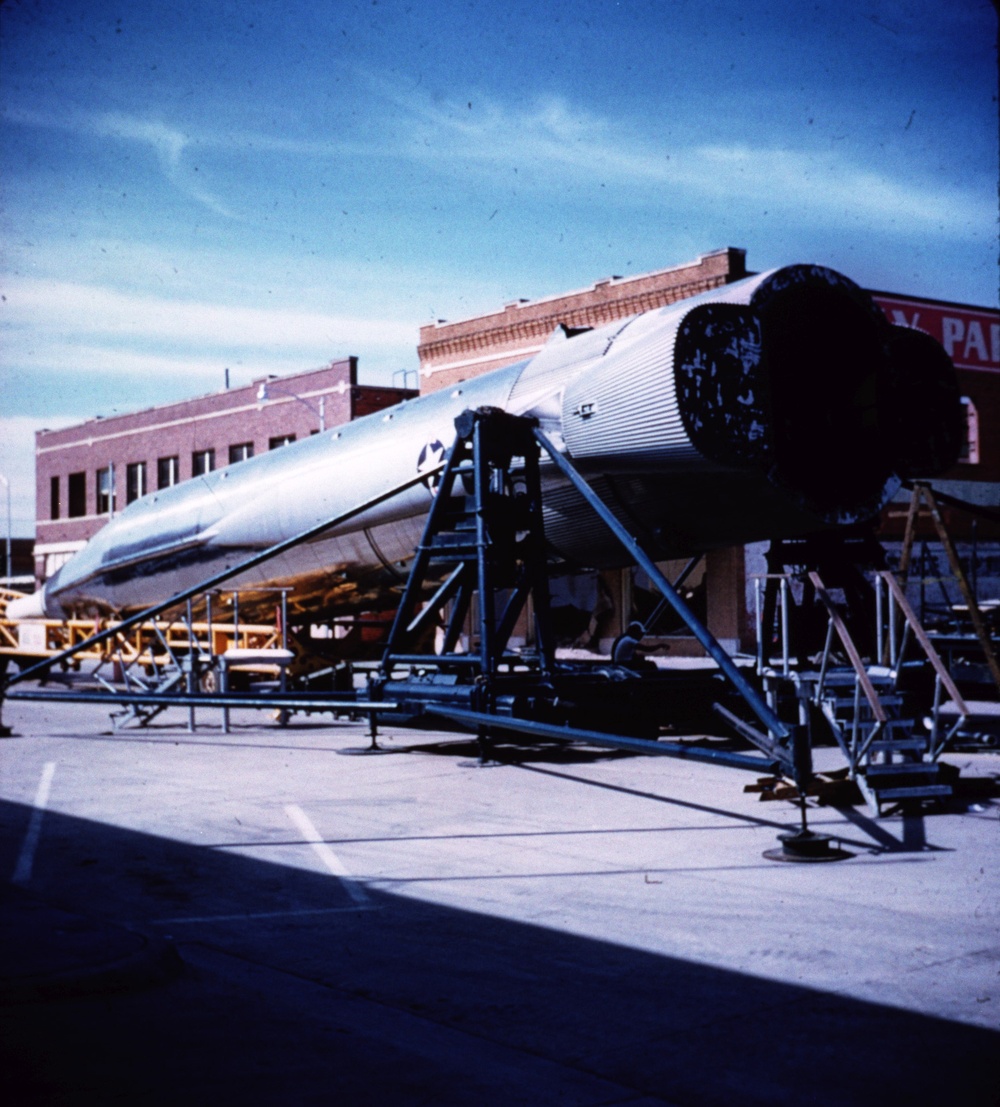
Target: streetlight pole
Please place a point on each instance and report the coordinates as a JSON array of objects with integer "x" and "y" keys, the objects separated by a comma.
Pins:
[
  {"x": 263, "y": 393},
  {"x": 6, "y": 483}
]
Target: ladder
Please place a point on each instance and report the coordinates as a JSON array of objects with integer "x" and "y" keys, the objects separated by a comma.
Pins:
[
  {"x": 483, "y": 542},
  {"x": 890, "y": 753},
  {"x": 923, "y": 496}
]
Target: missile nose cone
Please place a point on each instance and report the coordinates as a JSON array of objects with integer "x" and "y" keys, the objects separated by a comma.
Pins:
[{"x": 28, "y": 607}]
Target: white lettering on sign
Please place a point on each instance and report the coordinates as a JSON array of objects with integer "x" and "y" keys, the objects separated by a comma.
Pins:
[
  {"x": 900, "y": 320},
  {"x": 969, "y": 335},
  {"x": 952, "y": 331},
  {"x": 974, "y": 340}
]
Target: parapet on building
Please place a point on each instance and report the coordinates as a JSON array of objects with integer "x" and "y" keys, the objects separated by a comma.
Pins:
[
  {"x": 453, "y": 352},
  {"x": 85, "y": 473}
]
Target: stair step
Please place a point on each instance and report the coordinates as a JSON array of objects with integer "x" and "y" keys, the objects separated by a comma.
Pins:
[
  {"x": 847, "y": 675},
  {"x": 903, "y": 768},
  {"x": 847, "y": 702},
  {"x": 898, "y": 745},
  {"x": 923, "y": 791},
  {"x": 904, "y": 727},
  {"x": 451, "y": 546}
]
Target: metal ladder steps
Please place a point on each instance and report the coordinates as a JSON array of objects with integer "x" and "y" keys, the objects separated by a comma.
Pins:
[
  {"x": 844, "y": 705},
  {"x": 915, "y": 780},
  {"x": 846, "y": 678},
  {"x": 920, "y": 791},
  {"x": 899, "y": 745},
  {"x": 903, "y": 768},
  {"x": 892, "y": 724}
]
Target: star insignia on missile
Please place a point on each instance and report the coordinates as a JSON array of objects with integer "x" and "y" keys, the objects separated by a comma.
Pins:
[{"x": 430, "y": 458}]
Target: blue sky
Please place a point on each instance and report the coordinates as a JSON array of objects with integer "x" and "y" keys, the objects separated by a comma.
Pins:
[{"x": 190, "y": 187}]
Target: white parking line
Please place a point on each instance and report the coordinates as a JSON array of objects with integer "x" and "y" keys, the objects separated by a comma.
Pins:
[
  {"x": 332, "y": 862},
  {"x": 26, "y": 858}
]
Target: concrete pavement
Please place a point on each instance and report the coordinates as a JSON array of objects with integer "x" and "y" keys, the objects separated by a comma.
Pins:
[{"x": 271, "y": 916}]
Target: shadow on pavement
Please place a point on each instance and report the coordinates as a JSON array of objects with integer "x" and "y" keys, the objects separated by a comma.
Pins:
[{"x": 294, "y": 991}]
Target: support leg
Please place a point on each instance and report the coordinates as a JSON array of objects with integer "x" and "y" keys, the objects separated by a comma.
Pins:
[
  {"x": 485, "y": 743},
  {"x": 5, "y": 731}
]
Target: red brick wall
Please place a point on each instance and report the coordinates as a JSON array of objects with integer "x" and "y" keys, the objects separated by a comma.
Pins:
[
  {"x": 453, "y": 352},
  {"x": 216, "y": 421}
]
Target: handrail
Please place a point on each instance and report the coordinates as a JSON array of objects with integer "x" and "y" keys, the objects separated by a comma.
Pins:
[
  {"x": 921, "y": 635},
  {"x": 850, "y": 649}
]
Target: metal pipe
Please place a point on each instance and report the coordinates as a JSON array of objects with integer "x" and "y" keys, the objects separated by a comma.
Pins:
[
  {"x": 879, "y": 619},
  {"x": 178, "y": 699},
  {"x": 190, "y": 681},
  {"x": 759, "y": 623},
  {"x": 9, "y": 539},
  {"x": 613, "y": 741}
]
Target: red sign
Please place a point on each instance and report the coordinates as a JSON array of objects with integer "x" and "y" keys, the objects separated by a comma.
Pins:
[{"x": 971, "y": 336}]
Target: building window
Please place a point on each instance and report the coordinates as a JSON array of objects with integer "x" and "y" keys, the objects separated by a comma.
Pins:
[
  {"x": 168, "y": 472},
  {"x": 105, "y": 491},
  {"x": 281, "y": 440},
  {"x": 202, "y": 462},
  {"x": 53, "y": 497},
  {"x": 970, "y": 447},
  {"x": 77, "y": 487},
  {"x": 240, "y": 452},
  {"x": 135, "y": 481}
]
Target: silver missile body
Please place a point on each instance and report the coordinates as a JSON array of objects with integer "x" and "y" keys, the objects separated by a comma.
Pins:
[{"x": 777, "y": 405}]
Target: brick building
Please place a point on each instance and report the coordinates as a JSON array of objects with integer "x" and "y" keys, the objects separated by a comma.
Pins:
[
  {"x": 453, "y": 352},
  {"x": 86, "y": 472}
]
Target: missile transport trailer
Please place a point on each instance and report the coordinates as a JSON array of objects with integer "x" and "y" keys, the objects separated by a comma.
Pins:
[{"x": 777, "y": 405}]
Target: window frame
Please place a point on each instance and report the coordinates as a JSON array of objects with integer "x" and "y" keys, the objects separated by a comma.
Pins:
[
  {"x": 171, "y": 467},
  {"x": 202, "y": 462},
  {"x": 135, "y": 488},
  {"x": 76, "y": 495},
  {"x": 104, "y": 490},
  {"x": 240, "y": 451}
]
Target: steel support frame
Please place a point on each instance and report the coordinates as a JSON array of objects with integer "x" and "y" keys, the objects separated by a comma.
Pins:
[
  {"x": 504, "y": 550},
  {"x": 785, "y": 748},
  {"x": 784, "y": 745}
]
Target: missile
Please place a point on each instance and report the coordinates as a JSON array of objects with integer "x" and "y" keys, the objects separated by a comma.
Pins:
[{"x": 778, "y": 405}]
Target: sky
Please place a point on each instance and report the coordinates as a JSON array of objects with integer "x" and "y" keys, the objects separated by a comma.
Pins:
[{"x": 264, "y": 187}]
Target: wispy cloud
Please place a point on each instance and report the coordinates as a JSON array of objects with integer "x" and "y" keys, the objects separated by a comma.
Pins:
[
  {"x": 117, "y": 364},
  {"x": 167, "y": 143},
  {"x": 553, "y": 136},
  {"x": 552, "y": 141},
  {"x": 817, "y": 181},
  {"x": 395, "y": 290},
  {"x": 61, "y": 307}
]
